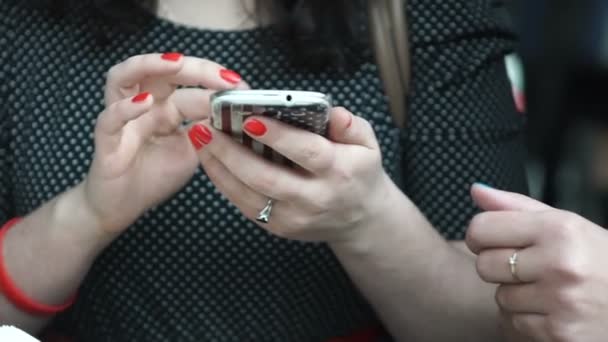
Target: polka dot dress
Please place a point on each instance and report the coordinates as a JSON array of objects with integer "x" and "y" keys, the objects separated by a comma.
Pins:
[{"x": 193, "y": 268}]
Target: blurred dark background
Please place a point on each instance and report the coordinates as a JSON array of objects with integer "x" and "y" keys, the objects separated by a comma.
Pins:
[{"x": 561, "y": 69}]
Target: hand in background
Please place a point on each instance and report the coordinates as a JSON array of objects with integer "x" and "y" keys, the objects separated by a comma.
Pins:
[{"x": 560, "y": 288}]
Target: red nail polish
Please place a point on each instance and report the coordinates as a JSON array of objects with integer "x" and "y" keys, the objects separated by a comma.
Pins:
[
  {"x": 230, "y": 76},
  {"x": 203, "y": 134},
  {"x": 194, "y": 140},
  {"x": 140, "y": 97},
  {"x": 171, "y": 56},
  {"x": 255, "y": 127}
]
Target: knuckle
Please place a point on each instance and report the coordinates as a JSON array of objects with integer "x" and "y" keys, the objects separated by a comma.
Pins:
[
  {"x": 473, "y": 237},
  {"x": 116, "y": 108},
  {"x": 264, "y": 182},
  {"x": 519, "y": 323},
  {"x": 113, "y": 72},
  {"x": 565, "y": 224},
  {"x": 566, "y": 299},
  {"x": 317, "y": 154},
  {"x": 569, "y": 267},
  {"x": 500, "y": 297},
  {"x": 124, "y": 65},
  {"x": 343, "y": 173},
  {"x": 323, "y": 202},
  {"x": 367, "y": 124},
  {"x": 557, "y": 330},
  {"x": 483, "y": 266},
  {"x": 133, "y": 60}
]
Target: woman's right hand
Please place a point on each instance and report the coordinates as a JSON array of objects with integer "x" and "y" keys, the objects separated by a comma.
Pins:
[{"x": 142, "y": 153}]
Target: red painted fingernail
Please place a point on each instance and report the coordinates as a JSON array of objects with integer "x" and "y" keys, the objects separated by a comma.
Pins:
[
  {"x": 255, "y": 127},
  {"x": 194, "y": 140},
  {"x": 199, "y": 136},
  {"x": 140, "y": 97},
  {"x": 171, "y": 56},
  {"x": 202, "y": 133},
  {"x": 230, "y": 76}
]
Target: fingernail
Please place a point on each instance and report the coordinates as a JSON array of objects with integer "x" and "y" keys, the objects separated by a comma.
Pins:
[
  {"x": 199, "y": 136},
  {"x": 194, "y": 140},
  {"x": 140, "y": 97},
  {"x": 171, "y": 56},
  {"x": 202, "y": 133},
  {"x": 230, "y": 76},
  {"x": 255, "y": 127},
  {"x": 484, "y": 185}
]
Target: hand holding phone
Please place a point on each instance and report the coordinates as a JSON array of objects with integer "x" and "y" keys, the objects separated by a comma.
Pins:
[{"x": 303, "y": 109}]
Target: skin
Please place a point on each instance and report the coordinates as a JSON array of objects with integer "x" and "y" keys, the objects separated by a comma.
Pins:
[
  {"x": 559, "y": 292},
  {"x": 339, "y": 195},
  {"x": 136, "y": 144}
]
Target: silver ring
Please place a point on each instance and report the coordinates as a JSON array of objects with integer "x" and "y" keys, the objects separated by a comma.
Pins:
[
  {"x": 513, "y": 265},
  {"x": 264, "y": 215}
]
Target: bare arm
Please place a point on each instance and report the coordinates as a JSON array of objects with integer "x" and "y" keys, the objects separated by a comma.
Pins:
[
  {"x": 429, "y": 290},
  {"x": 48, "y": 253}
]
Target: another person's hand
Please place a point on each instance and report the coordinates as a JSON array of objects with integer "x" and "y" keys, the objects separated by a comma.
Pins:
[
  {"x": 142, "y": 153},
  {"x": 338, "y": 187},
  {"x": 559, "y": 291}
]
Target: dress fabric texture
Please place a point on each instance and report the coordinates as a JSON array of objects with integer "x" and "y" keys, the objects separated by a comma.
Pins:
[{"x": 193, "y": 268}]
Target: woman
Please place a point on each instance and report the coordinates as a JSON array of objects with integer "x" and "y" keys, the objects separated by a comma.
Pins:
[{"x": 158, "y": 254}]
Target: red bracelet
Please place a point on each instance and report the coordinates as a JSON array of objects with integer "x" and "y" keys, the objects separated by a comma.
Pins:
[{"x": 16, "y": 296}]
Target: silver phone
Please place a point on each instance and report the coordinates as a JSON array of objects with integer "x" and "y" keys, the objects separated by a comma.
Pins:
[{"x": 303, "y": 109}]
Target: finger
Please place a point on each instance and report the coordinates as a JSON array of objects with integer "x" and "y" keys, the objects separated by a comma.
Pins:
[
  {"x": 249, "y": 202},
  {"x": 117, "y": 115},
  {"x": 192, "y": 103},
  {"x": 504, "y": 229},
  {"x": 346, "y": 128},
  {"x": 522, "y": 299},
  {"x": 135, "y": 69},
  {"x": 493, "y": 266},
  {"x": 263, "y": 176},
  {"x": 203, "y": 72},
  {"x": 237, "y": 192},
  {"x": 533, "y": 326},
  {"x": 308, "y": 150},
  {"x": 491, "y": 199},
  {"x": 509, "y": 331}
]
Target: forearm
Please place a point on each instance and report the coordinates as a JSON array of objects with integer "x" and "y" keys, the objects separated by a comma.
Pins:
[
  {"x": 48, "y": 253},
  {"x": 423, "y": 288}
]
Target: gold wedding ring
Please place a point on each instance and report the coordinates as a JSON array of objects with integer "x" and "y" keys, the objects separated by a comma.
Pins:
[{"x": 513, "y": 265}]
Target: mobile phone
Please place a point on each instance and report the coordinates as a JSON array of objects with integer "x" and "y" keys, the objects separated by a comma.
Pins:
[{"x": 303, "y": 109}]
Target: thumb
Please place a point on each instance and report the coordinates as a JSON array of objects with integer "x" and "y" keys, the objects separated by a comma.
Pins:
[
  {"x": 490, "y": 199},
  {"x": 346, "y": 128}
]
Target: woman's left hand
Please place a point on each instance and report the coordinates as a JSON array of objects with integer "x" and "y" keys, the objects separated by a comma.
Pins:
[
  {"x": 559, "y": 289},
  {"x": 338, "y": 188}
]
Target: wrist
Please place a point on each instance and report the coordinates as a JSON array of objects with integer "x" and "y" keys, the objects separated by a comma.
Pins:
[
  {"x": 379, "y": 220},
  {"x": 76, "y": 220}
]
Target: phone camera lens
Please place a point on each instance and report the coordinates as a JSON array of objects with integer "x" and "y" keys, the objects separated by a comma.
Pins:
[{"x": 288, "y": 97}]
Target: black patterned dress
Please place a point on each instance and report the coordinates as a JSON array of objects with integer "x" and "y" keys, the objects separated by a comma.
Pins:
[{"x": 194, "y": 269}]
